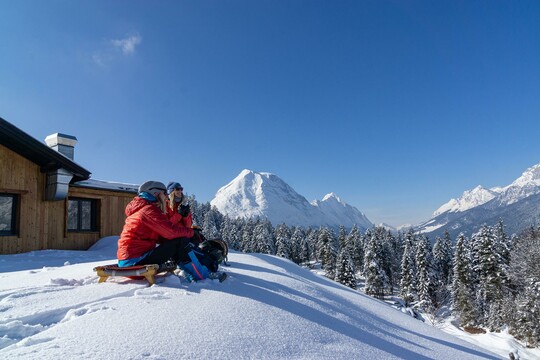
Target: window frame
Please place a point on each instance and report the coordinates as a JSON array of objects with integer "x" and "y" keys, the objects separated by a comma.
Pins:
[
  {"x": 94, "y": 215},
  {"x": 14, "y": 230}
]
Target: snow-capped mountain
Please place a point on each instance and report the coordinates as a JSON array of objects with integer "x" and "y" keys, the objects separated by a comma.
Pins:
[
  {"x": 261, "y": 194},
  {"x": 526, "y": 185},
  {"x": 469, "y": 199},
  {"x": 339, "y": 212},
  {"x": 517, "y": 204}
]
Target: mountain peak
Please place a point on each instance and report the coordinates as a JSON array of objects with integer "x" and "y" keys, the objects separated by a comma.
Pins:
[
  {"x": 531, "y": 176},
  {"x": 332, "y": 196},
  {"x": 513, "y": 203},
  {"x": 469, "y": 199},
  {"x": 261, "y": 194}
]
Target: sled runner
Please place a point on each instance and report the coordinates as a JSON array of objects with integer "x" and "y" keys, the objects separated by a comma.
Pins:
[{"x": 137, "y": 271}]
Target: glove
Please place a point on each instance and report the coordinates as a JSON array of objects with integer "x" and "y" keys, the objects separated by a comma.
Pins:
[
  {"x": 183, "y": 210},
  {"x": 197, "y": 235}
]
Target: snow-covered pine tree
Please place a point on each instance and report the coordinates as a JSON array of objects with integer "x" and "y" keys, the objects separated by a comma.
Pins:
[
  {"x": 487, "y": 266},
  {"x": 442, "y": 265},
  {"x": 247, "y": 242},
  {"x": 425, "y": 276},
  {"x": 356, "y": 241},
  {"x": 345, "y": 272},
  {"x": 342, "y": 237},
  {"x": 376, "y": 278},
  {"x": 528, "y": 313},
  {"x": 408, "y": 269},
  {"x": 391, "y": 256},
  {"x": 328, "y": 250},
  {"x": 443, "y": 258},
  {"x": 283, "y": 241},
  {"x": 524, "y": 273},
  {"x": 229, "y": 233},
  {"x": 298, "y": 239},
  {"x": 211, "y": 224},
  {"x": 263, "y": 237},
  {"x": 462, "y": 287},
  {"x": 306, "y": 248}
]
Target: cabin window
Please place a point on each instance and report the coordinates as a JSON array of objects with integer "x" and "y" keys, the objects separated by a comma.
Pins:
[
  {"x": 8, "y": 214},
  {"x": 82, "y": 214}
]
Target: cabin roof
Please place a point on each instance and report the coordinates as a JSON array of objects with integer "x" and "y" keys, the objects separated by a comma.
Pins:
[{"x": 38, "y": 152}]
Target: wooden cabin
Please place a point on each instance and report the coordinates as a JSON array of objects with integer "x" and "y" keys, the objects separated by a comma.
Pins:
[{"x": 47, "y": 201}]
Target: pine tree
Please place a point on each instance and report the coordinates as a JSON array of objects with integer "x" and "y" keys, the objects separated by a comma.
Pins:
[
  {"x": 283, "y": 241},
  {"x": 389, "y": 250},
  {"x": 408, "y": 269},
  {"x": 462, "y": 287},
  {"x": 376, "y": 278},
  {"x": 425, "y": 276},
  {"x": 524, "y": 273},
  {"x": 229, "y": 233},
  {"x": 356, "y": 242},
  {"x": 328, "y": 250},
  {"x": 263, "y": 235},
  {"x": 247, "y": 242},
  {"x": 443, "y": 258},
  {"x": 528, "y": 313},
  {"x": 298, "y": 240},
  {"x": 210, "y": 226},
  {"x": 342, "y": 237},
  {"x": 488, "y": 269},
  {"x": 345, "y": 272},
  {"x": 442, "y": 265},
  {"x": 309, "y": 246}
]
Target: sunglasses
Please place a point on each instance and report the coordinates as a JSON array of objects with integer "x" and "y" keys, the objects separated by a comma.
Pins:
[
  {"x": 179, "y": 188},
  {"x": 156, "y": 188}
]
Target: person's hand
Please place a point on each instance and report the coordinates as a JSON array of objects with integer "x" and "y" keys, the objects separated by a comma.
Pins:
[
  {"x": 197, "y": 234},
  {"x": 183, "y": 210}
]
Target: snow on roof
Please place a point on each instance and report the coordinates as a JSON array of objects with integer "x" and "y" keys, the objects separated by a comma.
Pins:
[{"x": 107, "y": 185}]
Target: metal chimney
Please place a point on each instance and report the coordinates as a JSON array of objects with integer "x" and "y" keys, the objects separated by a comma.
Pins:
[
  {"x": 57, "y": 184},
  {"x": 64, "y": 144}
]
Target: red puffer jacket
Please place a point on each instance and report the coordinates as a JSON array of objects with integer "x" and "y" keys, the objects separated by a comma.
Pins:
[{"x": 145, "y": 226}]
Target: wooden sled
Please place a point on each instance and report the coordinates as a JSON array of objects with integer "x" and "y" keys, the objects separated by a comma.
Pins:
[{"x": 137, "y": 271}]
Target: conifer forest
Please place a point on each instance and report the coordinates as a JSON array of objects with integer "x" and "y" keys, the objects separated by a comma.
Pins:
[{"x": 489, "y": 280}]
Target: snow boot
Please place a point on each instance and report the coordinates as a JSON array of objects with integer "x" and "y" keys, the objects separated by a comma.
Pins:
[
  {"x": 167, "y": 266},
  {"x": 221, "y": 276}
]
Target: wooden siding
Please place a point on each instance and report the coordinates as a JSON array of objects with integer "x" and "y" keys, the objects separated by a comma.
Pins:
[
  {"x": 42, "y": 224},
  {"x": 110, "y": 211}
]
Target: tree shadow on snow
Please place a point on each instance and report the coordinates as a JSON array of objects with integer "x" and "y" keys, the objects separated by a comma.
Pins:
[{"x": 274, "y": 294}]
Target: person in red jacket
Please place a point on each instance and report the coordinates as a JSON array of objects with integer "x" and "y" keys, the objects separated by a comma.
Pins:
[
  {"x": 149, "y": 236},
  {"x": 177, "y": 211}
]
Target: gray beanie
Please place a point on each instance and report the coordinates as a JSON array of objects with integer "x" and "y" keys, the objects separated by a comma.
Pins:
[{"x": 153, "y": 188}]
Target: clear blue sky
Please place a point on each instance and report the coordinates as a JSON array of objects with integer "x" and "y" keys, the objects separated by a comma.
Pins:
[{"x": 396, "y": 106}]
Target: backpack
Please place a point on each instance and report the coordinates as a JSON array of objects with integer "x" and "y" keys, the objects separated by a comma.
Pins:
[
  {"x": 199, "y": 265},
  {"x": 216, "y": 249},
  {"x": 206, "y": 258}
]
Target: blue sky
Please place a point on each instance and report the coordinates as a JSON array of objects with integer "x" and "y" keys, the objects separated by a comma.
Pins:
[{"x": 396, "y": 106}]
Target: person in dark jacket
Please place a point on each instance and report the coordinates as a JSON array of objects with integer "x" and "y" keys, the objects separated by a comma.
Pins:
[{"x": 149, "y": 236}]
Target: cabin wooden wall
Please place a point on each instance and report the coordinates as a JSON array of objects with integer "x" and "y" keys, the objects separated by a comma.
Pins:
[
  {"x": 42, "y": 224},
  {"x": 111, "y": 215}
]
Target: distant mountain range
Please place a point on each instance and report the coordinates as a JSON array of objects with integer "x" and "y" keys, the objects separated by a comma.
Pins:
[
  {"x": 517, "y": 204},
  {"x": 265, "y": 195}
]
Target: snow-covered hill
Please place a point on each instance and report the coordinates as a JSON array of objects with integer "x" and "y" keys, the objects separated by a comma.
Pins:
[
  {"x": 517, "y": 204},
  {"x": 52, "y": 307},
  {"x": 265, "y": 195}
]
